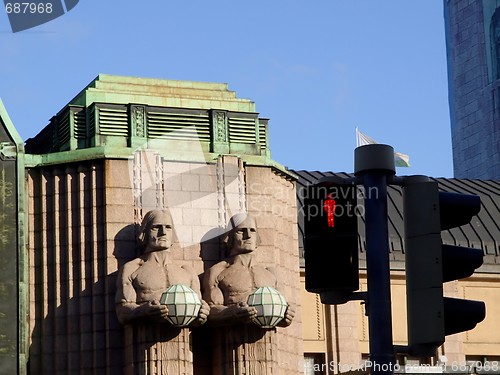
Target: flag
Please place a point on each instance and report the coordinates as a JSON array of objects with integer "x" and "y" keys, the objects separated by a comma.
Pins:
[{"x": 400, "y": 160}]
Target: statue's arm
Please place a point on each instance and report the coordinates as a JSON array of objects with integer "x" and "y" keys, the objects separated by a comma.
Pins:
[
  {"x": 211, "y": 292},
  {"x": 125, "y": 295},
  {"x": 205, "y": 309},
  {"x": 127, "y": 309},
  {"x": 219, "y": 313},
  {"x": 290, "y": 311}
]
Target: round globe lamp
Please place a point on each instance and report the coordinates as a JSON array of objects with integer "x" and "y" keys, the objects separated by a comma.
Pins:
[
  {"x": 270, "y": 305},
  {"x": 183, "y": 305}
]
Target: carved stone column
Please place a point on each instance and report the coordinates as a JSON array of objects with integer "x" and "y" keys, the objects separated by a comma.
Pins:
[
  {"x": 157, "y": 349},
  {"x": 245, "y": 349}
]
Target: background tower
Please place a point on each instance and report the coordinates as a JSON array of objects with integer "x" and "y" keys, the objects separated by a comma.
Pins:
[{"x": 473, "y": 52}]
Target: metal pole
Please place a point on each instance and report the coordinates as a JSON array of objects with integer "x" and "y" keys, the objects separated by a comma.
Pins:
[
  {"x": 373, "y": 164},
  {"x": 378, "y": 272}
]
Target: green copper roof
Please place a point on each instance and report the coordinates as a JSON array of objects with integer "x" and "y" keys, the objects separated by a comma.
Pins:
[
  {"x": 186, "y": 121},
  {"x": 163, "y": 93}
]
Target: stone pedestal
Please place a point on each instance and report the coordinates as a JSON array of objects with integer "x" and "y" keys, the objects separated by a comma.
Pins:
[
  {"x": 245, "y": 349},
  {"x": 158, "y": 349}
]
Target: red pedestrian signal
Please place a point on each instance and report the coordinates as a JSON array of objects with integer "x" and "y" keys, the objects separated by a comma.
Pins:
[
  {"x": 331, "y": 240},
  {"x": 329, "y": 206}
]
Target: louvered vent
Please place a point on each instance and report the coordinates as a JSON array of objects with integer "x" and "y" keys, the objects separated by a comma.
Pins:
[
  {"x": 263, "y": 134},
  {"x": 241, "y": 130},
  {"x": 182, "y": 126},
  {"x": 113, "y": 121},
  {"x": 91, "y": 112},
  {"x": 79, "y": 123},
  {"x": 63, "y": 128}
]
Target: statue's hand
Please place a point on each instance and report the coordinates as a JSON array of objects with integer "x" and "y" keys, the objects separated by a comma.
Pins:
[
  {"x": 152, "y": 310},
  {"x": 244, "y": 313},
  {"x": 289, "y": 315},
  {"x": 202, "y": 315}
]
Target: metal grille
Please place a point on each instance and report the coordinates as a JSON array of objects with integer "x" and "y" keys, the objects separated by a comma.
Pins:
[
  {"x": 263, "y": 134},
  {"x": 241, "y": 130},
  {"x": 79, "y": 123},
  {"x": 63, "y": 128},
  {"x": 91, "y": 113},
  {"x": 113, "y": 121},
  {"x": 181, "y": 126}
]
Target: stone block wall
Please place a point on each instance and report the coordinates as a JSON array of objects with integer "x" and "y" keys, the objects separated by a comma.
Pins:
[
  {"x": 83, "y": 220},
  {"x": 73, "y": 328},
  {"x": 271, "y": 200}
]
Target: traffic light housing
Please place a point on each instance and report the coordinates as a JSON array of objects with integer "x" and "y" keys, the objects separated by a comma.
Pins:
[
  {"x": 331, "y": 241},
  {"x": 429, "y": 264}
]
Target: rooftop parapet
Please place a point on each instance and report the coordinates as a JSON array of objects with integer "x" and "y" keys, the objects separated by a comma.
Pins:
[{"x": 184, "y": 120}]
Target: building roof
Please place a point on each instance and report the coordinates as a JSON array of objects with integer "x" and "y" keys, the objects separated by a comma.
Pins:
[
  {"x": 114, "y": 116},
  {"x": 482, "y": 232}
]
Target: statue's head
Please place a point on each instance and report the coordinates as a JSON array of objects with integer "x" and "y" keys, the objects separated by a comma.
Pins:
[
  {"x": 156, "y": 231},
  {"x": 242, "y": 234}
]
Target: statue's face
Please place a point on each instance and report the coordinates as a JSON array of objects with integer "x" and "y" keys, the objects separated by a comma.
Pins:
[
  {"x": 245, "y": 236},
  {"x": 160, "y": 233}
]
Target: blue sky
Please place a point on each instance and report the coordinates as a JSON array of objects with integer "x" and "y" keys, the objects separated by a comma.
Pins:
[{"x": 317, "y": 69}]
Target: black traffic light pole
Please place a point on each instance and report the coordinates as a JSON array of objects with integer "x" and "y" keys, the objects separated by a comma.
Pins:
[
  {"x": 331, "y": 254},
  {"x": 373, "y": 164}
]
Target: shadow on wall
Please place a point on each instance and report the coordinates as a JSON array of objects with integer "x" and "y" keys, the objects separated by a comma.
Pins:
[
  {"x": 203, "y": 351},
  {"x": 76, "y": 329},
  {"x": 217, "y": 349}
]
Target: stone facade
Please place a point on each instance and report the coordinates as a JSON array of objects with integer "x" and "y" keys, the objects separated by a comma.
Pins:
[
  {"x": 83, "y": 219},
  {"x": 72, "y": 324},
  {"x": 270, "y": 204},
  {"x": 88, "y": 192}
]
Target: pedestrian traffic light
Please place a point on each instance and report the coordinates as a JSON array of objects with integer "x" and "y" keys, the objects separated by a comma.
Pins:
[
  {"x": 331, "y": 240},
  {"x": 429, "y": 264}
]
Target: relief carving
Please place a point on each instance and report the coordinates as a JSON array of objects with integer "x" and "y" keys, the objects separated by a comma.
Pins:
[
  {"x": 220, "y": 124},
  {"x": 139, "y": 121},
  {"x": 154, "y": 342},
  {"x": 243, "y": 340}
]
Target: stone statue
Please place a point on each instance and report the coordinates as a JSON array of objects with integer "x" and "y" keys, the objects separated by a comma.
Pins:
[
  {"x": 155, "y": 346},
  {"x": 226, "y": 287}
]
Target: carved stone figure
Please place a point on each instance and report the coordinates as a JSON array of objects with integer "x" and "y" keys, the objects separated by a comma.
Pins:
[
  {"x": 243, "y": 346},
  {"x": 153, "y": 345}
]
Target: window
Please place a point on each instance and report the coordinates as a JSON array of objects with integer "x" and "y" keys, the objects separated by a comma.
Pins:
[
  {"x": 314, "y": 364},
  {"x": 483, "y": 364}
]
